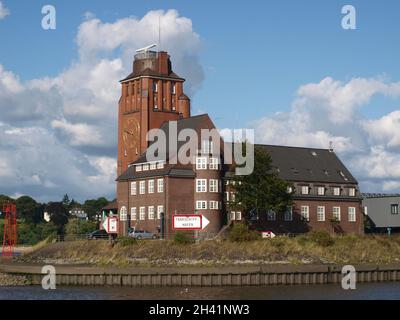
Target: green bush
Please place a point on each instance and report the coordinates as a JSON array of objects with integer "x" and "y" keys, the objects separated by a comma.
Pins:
[
  {"x": 241, "y": 232},
  {"x": 77, "y": 226},
  {"x": 182, "y": 238},
  {"x": 126, "y": 241},
  {"x": 322, "y": 238}
]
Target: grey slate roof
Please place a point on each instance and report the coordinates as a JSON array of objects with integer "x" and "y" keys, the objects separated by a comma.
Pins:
[
  {"x": 131, "y": 174},
  {"x": 194, "y": 123},
  {"x": 308, "y": 164}
]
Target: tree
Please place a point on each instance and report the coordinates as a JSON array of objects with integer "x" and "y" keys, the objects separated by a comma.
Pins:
[
  {"x": 94, "y": 206},
  {"x": 58, "y": 215},
  {"x": 263, "y": 189},
  {"x": 29, "y": 209},
  {"x": 66, "y": 202}
]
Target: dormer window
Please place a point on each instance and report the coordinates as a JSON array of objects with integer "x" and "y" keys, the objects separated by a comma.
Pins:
[
  {"x": 336, "y": 191},
  {"x": 321, "y": 191},
  {"x": 138, "y": 168},
  {"x": 145, "y": 167},
  {"x": 352, "y": 192},
  {"x": 305, "y": 190}
]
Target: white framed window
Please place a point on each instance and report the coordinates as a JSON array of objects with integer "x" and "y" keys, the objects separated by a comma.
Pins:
[
  {"x": 213, "y": 185},
  {"x": 289, "y": 189},
  {"x": 201, "y": 163},
  {"x": 271, "y": 215},
  {"x": 227, "y": 196},
  {"x": 133, "y": 188},
  {"x": 320, "y": 213},
  {"x": 160, "y": 165},
  {"x": 155, "y": 86},
  {"x": 321, "y": 191},
  {"x": 201, "y": 204},
  {"x": 305, "y": 190},
  {"x": 214, "y": 205},
  {"x": 160, "y": 209},
  {"x": 201, "y": 185},
  {"x": 153, "y": 166},
  {"x": 123, "y": 214},
  {"x": 155, "y": 103},
  {"x": 352, "y": 214},
  {"x": 150, "y": 186},
  {"x": 146, "y": 167},
  {"x": 352, "y": 192},
  {"x": 133, "y": 213},
  {"x": 233, "y": 215},
  {"x": 160, "y": 185},
  {"x": 214, "y": 163},
  {"x": 305, "y": 213},
  {"x": 142, "y": 213},
  {"x": 238, "y": 215},
  {"x": 288, "y": 216},
  {"x": 336, "y": 213},
  {"x": 151, "y": 212},
  {"x": 173, "y": 88},
  {"x": 142, "y": 187},
  {"x": 139, "y": 168},
  {"x": 336, "y": 191}
]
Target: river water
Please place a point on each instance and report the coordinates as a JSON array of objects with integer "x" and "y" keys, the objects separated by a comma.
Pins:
[{"x": 365, "y": 291}]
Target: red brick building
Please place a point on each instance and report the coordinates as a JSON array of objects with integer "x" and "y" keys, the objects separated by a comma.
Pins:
[
  {"x": 325, "y": 194},
  {"x": 150, "y": 192}
]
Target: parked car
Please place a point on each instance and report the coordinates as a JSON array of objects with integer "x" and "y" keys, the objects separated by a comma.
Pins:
[
  {"x": 142, "y": 234},
  {"x": 99, "y": 234}
]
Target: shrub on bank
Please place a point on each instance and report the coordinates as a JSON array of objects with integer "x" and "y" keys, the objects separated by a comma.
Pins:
[
  {"x": 182, "y": 238},
  {"x": 126, "y": 241},
  {"x": 322, "y": 238},
  {"x": 240, "y": 232}
]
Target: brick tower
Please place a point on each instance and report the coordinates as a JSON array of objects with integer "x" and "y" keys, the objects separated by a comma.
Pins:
[{"x": 151, "y": 95}]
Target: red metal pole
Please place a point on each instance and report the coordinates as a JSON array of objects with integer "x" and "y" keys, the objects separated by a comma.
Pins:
[{"x": 10, "y": 229}]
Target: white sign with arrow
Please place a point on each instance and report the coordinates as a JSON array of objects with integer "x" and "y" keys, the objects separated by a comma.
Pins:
[
  {"x": 110, "y": 224},
  {"x": 189, "y": 222}
]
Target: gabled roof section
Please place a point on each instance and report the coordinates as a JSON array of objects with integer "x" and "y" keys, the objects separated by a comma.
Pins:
[
  {"x": 308, "y": 164},
  {"x": 198, "y": 122}
]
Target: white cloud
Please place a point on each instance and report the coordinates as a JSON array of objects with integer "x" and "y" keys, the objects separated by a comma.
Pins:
[
  {"x": 331, "y": 111},
  {"x": 4, "y": 12},
  {"x": 59, "y": 134}
]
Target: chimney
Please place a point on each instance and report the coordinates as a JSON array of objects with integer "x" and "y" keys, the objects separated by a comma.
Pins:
[{"x": 163, "y": 63}]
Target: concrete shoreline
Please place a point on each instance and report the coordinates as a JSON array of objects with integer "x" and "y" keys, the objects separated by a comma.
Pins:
[{"x": 262, "y": 275}]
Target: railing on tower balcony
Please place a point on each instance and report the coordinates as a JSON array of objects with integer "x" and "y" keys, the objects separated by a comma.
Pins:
[{"x": 146, "y": 55}]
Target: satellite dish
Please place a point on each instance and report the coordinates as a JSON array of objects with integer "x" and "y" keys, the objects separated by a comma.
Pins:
[{"x": 145, "y": 49}]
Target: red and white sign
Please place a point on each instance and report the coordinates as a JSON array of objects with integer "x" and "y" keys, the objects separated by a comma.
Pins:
[
  {"x": 189, "y": 222},
  {"x": 110, "y": 224},
  {"x": 267, "y": 234}
]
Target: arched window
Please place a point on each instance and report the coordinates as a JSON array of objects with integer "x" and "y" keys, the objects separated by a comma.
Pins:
[{"x": 123, "y": 214}]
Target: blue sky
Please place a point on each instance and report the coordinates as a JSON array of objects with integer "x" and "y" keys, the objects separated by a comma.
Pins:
[
  {"x": 255, "y": 56},
  {"x": 270, "y": 48}
]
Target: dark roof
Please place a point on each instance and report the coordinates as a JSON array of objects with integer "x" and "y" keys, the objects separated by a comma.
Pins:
[
  {"x": 380, "y": 195},
  {"x": 112, "y": 205},
  {"x": 150, "y": 73},
  {"x": 308, "y": 164},
  {"x": 170, "y": 171},
  {"x": 194, "y": 123}
]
